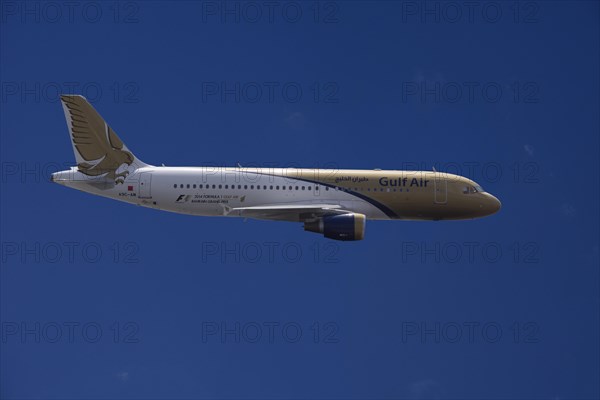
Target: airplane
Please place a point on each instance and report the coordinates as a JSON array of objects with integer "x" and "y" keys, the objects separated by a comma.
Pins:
[{"x": 333, "y": 202}]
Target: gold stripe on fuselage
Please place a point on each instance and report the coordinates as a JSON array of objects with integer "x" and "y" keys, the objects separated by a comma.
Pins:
[{"x": 402, "y": 194}]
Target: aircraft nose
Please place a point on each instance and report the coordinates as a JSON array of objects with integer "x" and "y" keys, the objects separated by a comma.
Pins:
[{"x": 494, "y": 204}]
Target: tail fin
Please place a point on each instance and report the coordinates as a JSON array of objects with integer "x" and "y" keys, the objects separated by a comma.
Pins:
[{"x": 98, "y": 150}]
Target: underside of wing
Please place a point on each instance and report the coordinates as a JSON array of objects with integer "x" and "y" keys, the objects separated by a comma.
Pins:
[{"x": 287, "y": 212}]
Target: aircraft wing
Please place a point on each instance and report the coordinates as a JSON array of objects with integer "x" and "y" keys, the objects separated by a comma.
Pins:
[{"x": 287, "y": 212}]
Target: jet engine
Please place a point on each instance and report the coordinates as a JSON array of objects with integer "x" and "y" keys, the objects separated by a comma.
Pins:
[{"x": 350, "y": 226}]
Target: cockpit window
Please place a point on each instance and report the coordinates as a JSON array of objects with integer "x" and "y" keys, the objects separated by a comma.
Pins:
[{"x": 472, "y": 189}]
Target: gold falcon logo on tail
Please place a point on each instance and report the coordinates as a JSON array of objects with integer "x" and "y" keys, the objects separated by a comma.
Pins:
[{"x": 98, "y": 150}]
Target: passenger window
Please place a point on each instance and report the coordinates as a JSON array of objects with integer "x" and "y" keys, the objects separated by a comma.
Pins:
[
  {"x": 251, "y": 186},
  {"x": 245, "y": 186},
  {"x": 181, "y": 186},
  {"x": 277, "y": 187},
  {"x": 175, "y": 186},
  {"x": 200, "y": 186},
  {"x": 214, "y": 186}
]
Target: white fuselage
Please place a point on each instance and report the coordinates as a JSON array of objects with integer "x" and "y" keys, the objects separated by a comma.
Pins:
[
  {"x": 215, "y": 191},
  {"x": 207, "y": 191}
]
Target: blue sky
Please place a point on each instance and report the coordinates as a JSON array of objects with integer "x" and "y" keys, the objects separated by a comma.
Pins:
[{"x": 100, "y": 299}]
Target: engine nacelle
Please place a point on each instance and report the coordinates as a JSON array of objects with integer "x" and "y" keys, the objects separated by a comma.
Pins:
[{"x": 349, "y": 226}]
